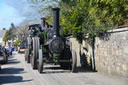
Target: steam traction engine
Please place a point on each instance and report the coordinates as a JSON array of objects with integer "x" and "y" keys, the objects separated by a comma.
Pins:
[
  {"x": 52, "y": 47},
  {"x": 34, "y": 30}
]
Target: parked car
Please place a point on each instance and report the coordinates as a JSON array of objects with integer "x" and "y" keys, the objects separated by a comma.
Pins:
[
  {"x": 0, "y": 66},
  {"x": 1, "y": 59},
  {"x": 6, "y": 51},
  {"x": 3, "y": 56}
]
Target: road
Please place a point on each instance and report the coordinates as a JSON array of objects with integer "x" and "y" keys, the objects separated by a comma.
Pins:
[{"x": 18, "y": 72}]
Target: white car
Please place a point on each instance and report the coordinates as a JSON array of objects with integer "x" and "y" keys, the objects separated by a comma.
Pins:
[{"x": 21, "y": 49}]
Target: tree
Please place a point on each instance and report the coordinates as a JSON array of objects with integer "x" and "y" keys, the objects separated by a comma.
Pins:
[
  {"x": 22, "y": 32},
  {"x": 5, "y": 38},
  {"x": 17, "y": 42},
  {"x": 11, "y": 32},
  {"x": 92, "y": 17},
  {"x": 43, "y": 7}
]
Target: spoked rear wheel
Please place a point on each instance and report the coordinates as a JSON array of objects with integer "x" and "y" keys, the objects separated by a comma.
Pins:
[
  {"x": 35, "y": 52},
  {"x": 25, "y": 55},
  {"x": 40, "y": 61},
  {"x": 28, "y": 55}
]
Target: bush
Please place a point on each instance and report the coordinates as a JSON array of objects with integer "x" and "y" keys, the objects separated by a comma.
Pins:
[{"x": 17, "y": 42}]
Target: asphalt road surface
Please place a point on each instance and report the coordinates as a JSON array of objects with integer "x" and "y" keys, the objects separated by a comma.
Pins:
[{"x": 18, "y": 72}]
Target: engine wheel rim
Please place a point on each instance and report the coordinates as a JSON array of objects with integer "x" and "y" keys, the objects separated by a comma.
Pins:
[{"x": 40, "y": 61}]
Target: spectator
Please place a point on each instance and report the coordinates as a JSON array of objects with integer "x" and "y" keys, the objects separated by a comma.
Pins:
[
  {"x": 46, "y": 28},
  {"x": 10, "y": 50},
  {"x": 31, "y": 33}
]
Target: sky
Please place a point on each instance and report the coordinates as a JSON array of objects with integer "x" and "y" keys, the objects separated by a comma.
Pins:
[
  {"x": 22, "y": 11},
  {"x": 8, "y": 15}
]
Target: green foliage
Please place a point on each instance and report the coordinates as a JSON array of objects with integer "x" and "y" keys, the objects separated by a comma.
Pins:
[
  {"x": 17, "y": 42},
  {"x": 5, "y": 38},
  {"x": 107, "y": 11},
  {"x": 92, "y": 17},
  {"x": 10, "y": 34}
]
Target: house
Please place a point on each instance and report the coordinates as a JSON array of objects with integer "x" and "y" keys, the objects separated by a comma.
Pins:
[{"x": 2, "y": 34}]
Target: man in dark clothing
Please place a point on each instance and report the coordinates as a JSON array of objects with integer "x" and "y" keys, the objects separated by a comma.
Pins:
[{"x": 31, "y": 33}]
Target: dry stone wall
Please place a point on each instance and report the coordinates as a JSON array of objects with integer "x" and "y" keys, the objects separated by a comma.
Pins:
[{"x": 110, "y": 55}]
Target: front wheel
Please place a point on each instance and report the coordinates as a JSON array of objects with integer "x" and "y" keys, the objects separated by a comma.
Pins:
[
  {"x": 25, "y": 55},
  {"x": 27, "y": 58},
  {"x": 28, "y": 50},
  {"x": 40, "y": 61},
  {"x": 28, "y": 54}
]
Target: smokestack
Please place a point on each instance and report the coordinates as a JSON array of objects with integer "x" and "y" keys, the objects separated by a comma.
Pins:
[
  {"x": 56, "y": 21},
  {"x": 43, "y": 21},
  {"x": 4, "y": 28},
  {"x": 12, "y": 26}
]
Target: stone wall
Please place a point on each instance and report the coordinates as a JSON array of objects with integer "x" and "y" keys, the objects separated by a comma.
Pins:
[{"x": 110, "y": 55}]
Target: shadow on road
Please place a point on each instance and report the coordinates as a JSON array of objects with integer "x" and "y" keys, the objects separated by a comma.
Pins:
[
  {"x": 12, "y": 79},
  {"x": 11, "y": 74},
  {"x": 12, "y": 71},
  {"x": 52, "y": 72},
  {"x": 13, "y": 61},
  {"x": 55, "y": 69},
  {"x": 83, "y": 70}
]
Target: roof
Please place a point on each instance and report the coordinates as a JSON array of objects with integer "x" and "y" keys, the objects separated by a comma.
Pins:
[
  {"x": 2, "y": 33},
  {"x": 34, "y": 26}
]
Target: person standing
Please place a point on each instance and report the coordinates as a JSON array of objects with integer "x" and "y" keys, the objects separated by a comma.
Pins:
[{"x": 10, "y": 50}]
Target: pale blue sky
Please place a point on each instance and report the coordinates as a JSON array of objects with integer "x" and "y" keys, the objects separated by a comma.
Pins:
[
  {"x": 8, "y": 15},
  {"x": 22, "y": 11}
]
